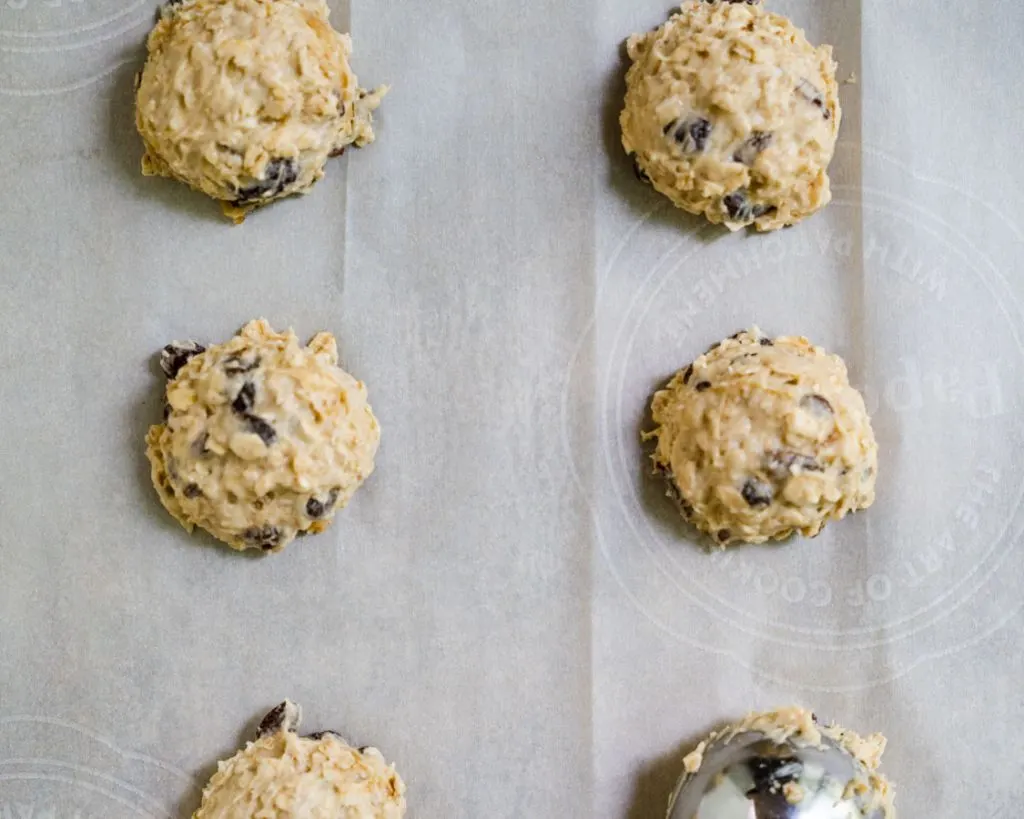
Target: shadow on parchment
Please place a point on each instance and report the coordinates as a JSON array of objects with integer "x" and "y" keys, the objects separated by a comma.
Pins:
[
  {"x": 124, "y": 149},
  {"x": 655, "y": 781},
  {"x": 189, "y": 802},
  {"x": 641, "y": 197},
  {"x": 146, "y": 412}
]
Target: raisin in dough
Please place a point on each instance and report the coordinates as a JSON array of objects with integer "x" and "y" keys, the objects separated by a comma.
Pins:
[
  {"x": 282, "y": 775},
  {"x": 761, "y": 438},
  {"x": 245, "y": 100},
  {"x": 263, "y": 439},
  {"x": 795, "y": 727},
  {"x": 732, "y": 114}
]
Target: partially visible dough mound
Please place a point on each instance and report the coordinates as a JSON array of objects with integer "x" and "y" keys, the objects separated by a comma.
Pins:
[
  {"x": 263, "y": 438},
  {"x": 732, "y": 115},
  {"x": 282, "y": 775},
  {"x": 245, "y": 100},
  {"x": 762, "y": 437}
]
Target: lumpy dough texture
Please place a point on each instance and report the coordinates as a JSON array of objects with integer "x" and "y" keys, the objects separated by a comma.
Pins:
[
  {"x": 245, "y": 100},
  {"x": 764, "y": 437},
  {"x": 732, "y": 114},
  {"x": 263, "y": 438},
  {"x": 286, "y": 776}
]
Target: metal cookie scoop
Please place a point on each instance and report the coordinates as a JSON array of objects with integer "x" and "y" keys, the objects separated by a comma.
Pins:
[{"x": 752, "y": 777}]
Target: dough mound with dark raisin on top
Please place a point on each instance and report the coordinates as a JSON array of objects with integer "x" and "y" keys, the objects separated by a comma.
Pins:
[
  {"x": 263, "y": 438},
  {"x": 732, "y": 114},
  {"x": 245, "y": 100},
  {"x": 282, "y": 775},
  {"x": 760, "y": 438}
]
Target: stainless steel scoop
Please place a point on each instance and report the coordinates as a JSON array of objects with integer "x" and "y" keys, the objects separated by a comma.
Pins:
[{"x": 752, "y": 777}]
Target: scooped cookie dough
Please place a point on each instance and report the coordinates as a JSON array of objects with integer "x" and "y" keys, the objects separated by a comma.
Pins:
[
  {"x": 732, "y": 114},
  {"x": 263, "y": 439},
  {"x": 282, "y": 775},
  {"x": 245, "y": 100},
  {"x": 783, "y": 763},
  {"x": 761, "y": 437}
]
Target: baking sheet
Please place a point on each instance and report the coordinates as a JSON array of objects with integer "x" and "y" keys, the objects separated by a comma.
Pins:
[{"x": 508, "y": 608}]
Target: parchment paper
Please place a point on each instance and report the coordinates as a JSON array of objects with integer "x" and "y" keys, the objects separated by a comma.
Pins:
[{"x": 509, "y": 608}]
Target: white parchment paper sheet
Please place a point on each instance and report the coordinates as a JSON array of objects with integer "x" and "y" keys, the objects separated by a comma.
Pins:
[{"x": 509, "y": 609}]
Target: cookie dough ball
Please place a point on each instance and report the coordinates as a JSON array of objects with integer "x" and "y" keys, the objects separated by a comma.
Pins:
[
  {"x": 245, "y": 100},
  {"x": 263, "y": 439},
  {"x": 783, "y": 763},
  {"x": 732, "y": 114},
  {"x": 282, "y": 775},
  {"x": 764, "y": 437}
]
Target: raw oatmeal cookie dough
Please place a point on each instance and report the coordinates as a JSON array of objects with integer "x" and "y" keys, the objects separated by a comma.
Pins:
[
  {"x": 245, "y": 100},
  {"x": 282, "y": 775},
  {"x": 762, "y": 437},
  {"x": 732, "y": 114},
  {"x": 770, "y": 763},
  {"x": 263, "y": 438}
]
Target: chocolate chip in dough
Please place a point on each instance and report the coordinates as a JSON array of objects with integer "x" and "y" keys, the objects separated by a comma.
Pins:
[
  {"x": 640, "y": 173},
  {"x": 283, "y": 717},
  {"x": 239, "y": 363},
  {"x": 257, "y": 425},
  {"x": 318, "y": 735},
  {"x": 780, "y": 464},
  {"x": 807, "y": 90},
  {"x": 690, "y": 133},
  {"x": 279, "y": 174},
  {"x": 316, "y": 508},
  {"x": 757, "y": 493},
  {"x": 741, "y": 209},
  {"x": 817, "y": 405},
  {"x": 244, "y": 400},
  {"x": 755, "y": 143},
  {"x": 263, "y": 537},
  {"x": 177, "y": 354}
]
